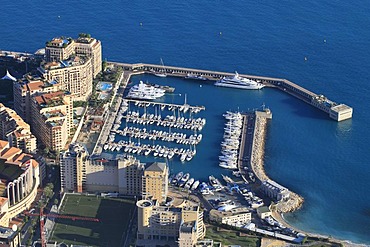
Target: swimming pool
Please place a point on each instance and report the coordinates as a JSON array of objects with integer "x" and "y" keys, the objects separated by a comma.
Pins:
[{"x": 104, "y": 86}]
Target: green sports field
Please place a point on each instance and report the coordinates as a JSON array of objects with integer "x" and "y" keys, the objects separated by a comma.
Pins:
[{"x": 114, "y": 215}]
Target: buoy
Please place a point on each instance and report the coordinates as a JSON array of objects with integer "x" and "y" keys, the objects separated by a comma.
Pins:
[
  {"x": 141, "y": 23},
  {"x": 200, "y": 85},
  {"x": 324, "y": 40},
  {"x": 220, "y": 33},
  {"x": 59, "y": 16},
  {"x": 305, "y": 58}
]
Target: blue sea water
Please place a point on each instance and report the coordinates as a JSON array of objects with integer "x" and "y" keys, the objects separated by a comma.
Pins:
[{"x": 324, "y": 161}]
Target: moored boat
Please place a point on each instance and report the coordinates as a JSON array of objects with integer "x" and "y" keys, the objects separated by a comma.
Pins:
[
  {"x": 237, "y": 81},
  {"x": 184, "y": 179},
  {"x": 195, "y": 185},
  {"x": 189, "y": 183}
]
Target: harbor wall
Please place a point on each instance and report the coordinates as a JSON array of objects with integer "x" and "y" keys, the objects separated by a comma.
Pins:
[
  {"x": 335, "y": 111},
  {"x": 287, "y": 201}
]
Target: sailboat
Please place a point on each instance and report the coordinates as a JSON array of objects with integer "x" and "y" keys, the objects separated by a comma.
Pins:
[{"x": 162, "y": 72}]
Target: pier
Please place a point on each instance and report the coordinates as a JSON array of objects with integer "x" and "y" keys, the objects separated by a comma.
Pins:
[
  {"x": 251, "y": 160},
  {"x": 336, "y": 111}
]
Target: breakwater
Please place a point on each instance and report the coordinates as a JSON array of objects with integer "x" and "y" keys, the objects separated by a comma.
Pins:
[
  {"x": 336, "y": 111},
  {"x": 254, "y": 133}
]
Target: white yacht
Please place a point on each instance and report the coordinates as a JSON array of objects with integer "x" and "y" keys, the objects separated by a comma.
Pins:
[
  {"x": 145, "y": 91},
  {"x": 236, "y": 81}
]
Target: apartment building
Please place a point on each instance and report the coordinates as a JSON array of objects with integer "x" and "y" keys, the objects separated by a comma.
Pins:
[
  {"x": 85, "y": 45},
  {"x": 170, "y": 226},
  {"x": 52, "y": 116},
  {"x": 236, "y": 216},
  {"x": 25, "y": 89},
  {"x": 20, "y": 178},
  {"x": 61, "y": 48},
  {"x": 73, "y": 164},
  {"x": 155, "y": 182},
  {"x": 17, "y": 132},
  {"x": 128, "y": 177},
  {"x": 74, "y": 74}
]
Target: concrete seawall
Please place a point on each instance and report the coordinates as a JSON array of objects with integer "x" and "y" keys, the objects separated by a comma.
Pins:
[{"x": 287, "y": 201}]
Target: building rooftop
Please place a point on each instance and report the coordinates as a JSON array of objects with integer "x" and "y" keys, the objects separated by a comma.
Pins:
[
  {"x": 234, "y": 211},
  {"x": 341, "y": 108},
  {"x": 10, "y": 115},
  {"x": 72, "y": 61},
  {"x": 156, "y": 167},
  {"x": 3, "y": 144},
  {"x": 188, "y": 226},
  {"x": 263, "y": 209},
  {"x": 50, "y": 99},
  {"x": 7, "y": 233},
  {"x": 30, "y": 84},
  {"x": 59, "y": 42}
]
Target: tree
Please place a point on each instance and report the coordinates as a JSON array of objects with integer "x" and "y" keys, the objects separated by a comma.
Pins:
[
  {"x": 56, "y": 201},
  {"x": 51, "y": 185},
  {"x": 48, "y": 192}
]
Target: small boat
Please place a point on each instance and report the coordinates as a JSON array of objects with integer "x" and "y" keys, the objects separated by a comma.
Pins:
[
  {"x": 177, "y": 177},
  {"x": 189, "y": 183},
  {"x": 236, "y": 173},
  {"x": 183, "y": 157},
  {"x": 162, "y": 72},
  {"x": 227, "y": 179},
  {"x": 184, "y": 179},
  {"x": 195, "y": 185},
  {"x": 195, "y": 77},
  {"x": 215, "y": 183}
]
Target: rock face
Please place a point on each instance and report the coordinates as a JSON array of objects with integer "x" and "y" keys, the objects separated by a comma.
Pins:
[{"x": 294, "y": 201}]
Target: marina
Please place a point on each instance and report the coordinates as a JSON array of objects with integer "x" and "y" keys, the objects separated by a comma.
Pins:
[
  {"x": 137, "y": 127},
  {"x": 306, "y": 151}
]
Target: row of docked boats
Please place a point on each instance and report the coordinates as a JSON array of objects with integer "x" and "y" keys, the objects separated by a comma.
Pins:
[
  {"x": 213, "y": 185},
  {"x": 168, "y": 121},
  {"x": 185, "y": 154},
  {"x": 180, "y": 138},
  {"x": 185, "y": 181},
  {"x": 170, "y": 107},
  {"x": 230, "y": 145}
]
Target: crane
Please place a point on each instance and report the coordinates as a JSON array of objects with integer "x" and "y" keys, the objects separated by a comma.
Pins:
[{"x": 42, "y": 217}]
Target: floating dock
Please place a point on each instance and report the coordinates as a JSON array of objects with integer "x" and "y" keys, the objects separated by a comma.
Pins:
[{"x": 338, "y": 112}]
